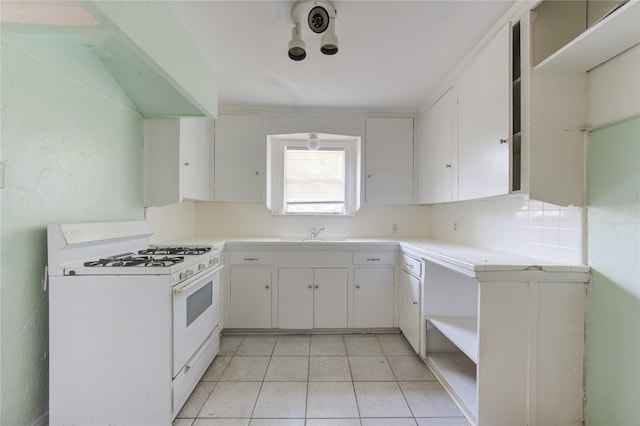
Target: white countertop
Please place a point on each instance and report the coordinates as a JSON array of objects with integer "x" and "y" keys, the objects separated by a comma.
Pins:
[{"x": 467, "y": 259}]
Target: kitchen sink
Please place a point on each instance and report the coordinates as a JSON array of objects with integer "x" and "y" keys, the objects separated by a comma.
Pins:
[{"x": 309, "y": 240}]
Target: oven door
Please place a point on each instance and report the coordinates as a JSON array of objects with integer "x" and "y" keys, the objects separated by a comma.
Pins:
[{"x": 196, "y": 313}]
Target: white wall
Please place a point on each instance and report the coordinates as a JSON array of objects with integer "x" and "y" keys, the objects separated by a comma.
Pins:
[
  {"x": 255, "y": 220},
  {"x": 171, "y": 222},
  {"x": 513, "y": 224}
]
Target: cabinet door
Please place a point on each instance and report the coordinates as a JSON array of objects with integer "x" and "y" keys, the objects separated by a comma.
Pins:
[
  {"x": 483, "y": 122},
  {"x": 330, "y": 298},
  {"x": 295, "y": 298},
  {"x": 250, "y": 297},
  {"x": 373, "y": 297},
  {"x": 240, "y": 144},
  {"x": 410, "y": 314},
  {"x": 389, "y": 161},
  {"x": 161, "y": 158},
  {"x": 437, "y": 168},
  {"x": 194, "y": 154}
]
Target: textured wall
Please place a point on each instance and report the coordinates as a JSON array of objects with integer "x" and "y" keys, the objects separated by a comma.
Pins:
[
  {"x": 613, "y": 325},
  {"x": 72, "y": 148},
  {"x": 612, "y": 367}
]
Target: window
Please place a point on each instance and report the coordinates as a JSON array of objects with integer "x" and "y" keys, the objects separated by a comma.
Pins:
[
  {"x": 314, "y": 181},
  {"x": 324, "y": 181}
]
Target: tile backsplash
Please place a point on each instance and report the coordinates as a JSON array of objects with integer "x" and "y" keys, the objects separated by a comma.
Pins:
[{"x": 513, "y": 224}]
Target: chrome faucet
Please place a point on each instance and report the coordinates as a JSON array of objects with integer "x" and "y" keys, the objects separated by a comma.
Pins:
[{"x": 315, "y": 232}]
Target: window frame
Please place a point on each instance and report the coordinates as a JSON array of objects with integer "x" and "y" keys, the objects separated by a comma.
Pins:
[{"x": 276, "y": 145}]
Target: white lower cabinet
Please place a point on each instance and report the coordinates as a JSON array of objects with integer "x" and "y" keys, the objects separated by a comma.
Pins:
[
  {"x": 373, "y": 297},
  {"x": 312, "y": 298},
  {"x": 250, "y": 297},
  {"x": 411, "y": 301}
]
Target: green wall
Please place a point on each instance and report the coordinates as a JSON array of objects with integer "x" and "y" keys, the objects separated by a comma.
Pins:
[
  {"x": 71, "y": 143},
  {"x": 613, "y": 324}
]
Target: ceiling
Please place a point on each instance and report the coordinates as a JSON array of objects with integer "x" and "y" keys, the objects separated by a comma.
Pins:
[{"x": 392, "y": 54}]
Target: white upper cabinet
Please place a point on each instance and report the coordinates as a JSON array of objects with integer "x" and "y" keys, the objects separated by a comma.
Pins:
[
  {"x": 240, "y": 144},
  {"x": 483, "y": 121},
  {"x": 176, "y": 160},
  {"x": 194, "y": 151},
  {"x": 389, "y": 160},
  {"x": 436, "y": 151}
]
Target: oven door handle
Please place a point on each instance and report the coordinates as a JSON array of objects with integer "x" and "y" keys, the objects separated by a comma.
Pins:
[{"x": 193, "y": 283}]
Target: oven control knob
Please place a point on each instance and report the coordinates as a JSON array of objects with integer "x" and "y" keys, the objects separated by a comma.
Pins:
[
  {"x": 186, "y": 274},
  {"x": 202, "y": 266}
]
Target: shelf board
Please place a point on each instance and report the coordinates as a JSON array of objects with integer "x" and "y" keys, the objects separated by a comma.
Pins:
[
  {"x": 612, "y": 35},
  {"x": 462, "y": 331},
  {"x": 458, "y": 375}
]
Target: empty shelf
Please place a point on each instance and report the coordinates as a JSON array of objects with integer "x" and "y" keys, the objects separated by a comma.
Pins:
[{"x": 462, "y": 331}]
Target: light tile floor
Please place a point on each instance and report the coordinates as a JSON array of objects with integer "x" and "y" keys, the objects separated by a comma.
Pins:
[{"x": 318, "y": 380}]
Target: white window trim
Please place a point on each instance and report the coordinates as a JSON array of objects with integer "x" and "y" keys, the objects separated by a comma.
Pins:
[{"x": 276, "y": 145}]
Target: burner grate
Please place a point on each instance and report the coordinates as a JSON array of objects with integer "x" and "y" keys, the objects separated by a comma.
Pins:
[
  {"x": 132, "y": 261},
  {"x": 186, "y": 251}
]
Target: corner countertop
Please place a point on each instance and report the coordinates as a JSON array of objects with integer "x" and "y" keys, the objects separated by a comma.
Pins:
[
  {"x": 480, "y": 259},
  {"x": 463, "y": 258}
]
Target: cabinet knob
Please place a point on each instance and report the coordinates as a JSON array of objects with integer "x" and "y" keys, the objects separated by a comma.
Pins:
[
  {"x": 186, "y": 164},
  {"x": 448, "y": 166},
  {"x": 369, "y": 176},
  {"x": 357, "y": 286},
  {"x": 415, "y": 303},
  {"x": 267, "y": 287},
  {"x": 317, "y": 286},
  {"x": 310, "y": 286},
  {"x": 503, "y": 141},
  {"x": 257, "y": 173}
]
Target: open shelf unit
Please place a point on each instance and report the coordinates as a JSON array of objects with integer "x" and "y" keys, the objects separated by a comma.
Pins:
[
  {"x": 489, "y": 336},
  {"x": 613, "y": 34},
  {"x": 451, "y": 310},
  {"x": 516, "y": 109}
]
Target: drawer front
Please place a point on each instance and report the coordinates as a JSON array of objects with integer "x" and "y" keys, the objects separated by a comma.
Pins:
[
  {"x": 249, "y": 258},
  {"x": 374, "y": 258},
  {"x": 411, "y": 265},
  {"x": 186, "y": 381}
]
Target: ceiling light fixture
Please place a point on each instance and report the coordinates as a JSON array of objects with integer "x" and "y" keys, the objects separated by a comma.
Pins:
[
  {"x": 314, "y": 142},
  {"x": 320, "y": 17},
  {"x": 297, "y": 50}
]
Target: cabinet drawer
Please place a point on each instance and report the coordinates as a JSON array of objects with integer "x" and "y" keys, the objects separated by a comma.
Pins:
[
  {"x": 186, "y": 381},
  {"x": 411, "y": 265},
  {"x": 251, "y": 258},
  {"x": 373, "y": 258}
]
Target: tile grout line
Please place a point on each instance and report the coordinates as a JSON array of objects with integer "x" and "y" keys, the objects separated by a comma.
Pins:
[
  {"x": 397, "y": 382},
  {"x": 264, "y": 375}
]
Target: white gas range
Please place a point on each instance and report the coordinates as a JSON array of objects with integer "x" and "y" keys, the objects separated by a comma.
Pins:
[{"x": 132, "y": 328}]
